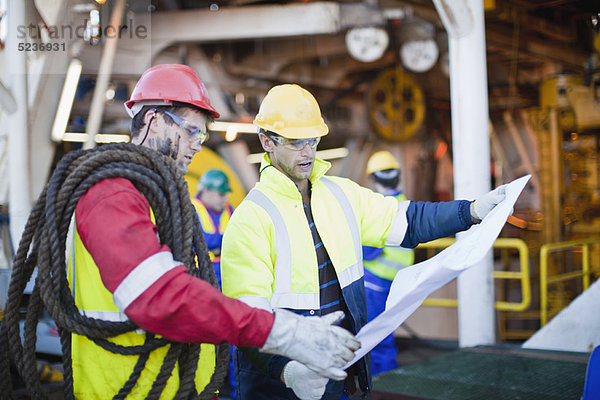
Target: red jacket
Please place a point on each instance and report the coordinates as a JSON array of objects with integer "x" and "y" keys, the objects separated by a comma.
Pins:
[{"x": 114, "y": 223}]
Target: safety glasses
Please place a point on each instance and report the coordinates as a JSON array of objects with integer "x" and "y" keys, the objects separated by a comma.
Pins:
[
  {"x": 194, "y": 132},
  {"x": 295, "y": 144}
]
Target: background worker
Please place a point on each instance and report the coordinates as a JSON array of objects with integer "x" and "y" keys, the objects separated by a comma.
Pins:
[
  {"x": 295, "y": 242},
  {"x": 382, "y": 264},
  {"x": 120, "y": 269},
  {"x": 214, "y": 212}
]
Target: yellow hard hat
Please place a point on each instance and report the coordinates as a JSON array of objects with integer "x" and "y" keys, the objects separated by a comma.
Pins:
[
  {"x": 291, "y": 112},
  {"x": 380, "y": 161}
]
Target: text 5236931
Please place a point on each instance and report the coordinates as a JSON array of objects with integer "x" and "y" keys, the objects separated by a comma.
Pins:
[{"x": 41, "y": 46}]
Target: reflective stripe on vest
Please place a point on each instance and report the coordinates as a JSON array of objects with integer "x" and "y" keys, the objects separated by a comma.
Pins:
[
  {"x": 355, "y": 271},
  {"x": 390, "y": 261},
  {"x": 282, "y": 292},
  {"x": 112, "y": 316},
  {"x": 142, "y": 277},
  {"x": 375, "y": 287},
  {"x": 282, "y": 296},
  {"x": 257, "y": 302}
]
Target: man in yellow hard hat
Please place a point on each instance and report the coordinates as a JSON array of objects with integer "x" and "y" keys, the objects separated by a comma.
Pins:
[
  {"x": 294, "y": 243},
  {"x": 120, "y": 270},
  {"x": 382, "y": 264}
]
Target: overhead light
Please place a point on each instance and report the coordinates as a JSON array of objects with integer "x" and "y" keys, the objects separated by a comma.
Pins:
[
  {"x": 329, "y": 154},
  {"x": 224, "y": 126},
  {"x": 231, "y": 133},
  {"x": 240, "y": 98},
  {"x": 100, "y": 137},
  {"x": 83, "y": 8},
  {"x": 66, "y": 100},
  {"x": 110, "y": 93}
]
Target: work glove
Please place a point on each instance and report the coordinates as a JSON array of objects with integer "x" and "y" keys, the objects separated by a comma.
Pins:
[
  {"x": 483, "y": 205},
  {"x": 306, "y": 384},
  {"x": 314, "y": 341}
]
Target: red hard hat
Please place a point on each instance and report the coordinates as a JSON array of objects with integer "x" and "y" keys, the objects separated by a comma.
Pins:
[{"x": 165, "y": 83}]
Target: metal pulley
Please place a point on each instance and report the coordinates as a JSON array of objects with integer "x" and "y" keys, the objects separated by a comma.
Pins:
[{"x": 396, "y": 105}]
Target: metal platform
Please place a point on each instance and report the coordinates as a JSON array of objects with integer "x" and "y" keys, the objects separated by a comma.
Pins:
[{"x": 487, "y": 373}]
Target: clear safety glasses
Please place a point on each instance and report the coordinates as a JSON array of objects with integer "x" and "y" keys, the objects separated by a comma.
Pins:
[
  {"x": 194, "y": 132},
  {"x": 295, "y": 144}
]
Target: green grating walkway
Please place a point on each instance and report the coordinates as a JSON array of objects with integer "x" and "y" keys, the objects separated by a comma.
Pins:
[{"x": 487, "y": 373}]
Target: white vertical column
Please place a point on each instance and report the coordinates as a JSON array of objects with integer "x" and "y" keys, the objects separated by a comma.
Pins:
[
  {"x": 471, "y": 153},
  {"x": 18, "y": 156},
  {"x": 104, "y": 73}
]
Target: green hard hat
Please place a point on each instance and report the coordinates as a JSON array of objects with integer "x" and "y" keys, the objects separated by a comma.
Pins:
[{"x": 214, "y": 179}]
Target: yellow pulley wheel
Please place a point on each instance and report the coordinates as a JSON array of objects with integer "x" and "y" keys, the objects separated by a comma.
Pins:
[{"x": 396, "y": 105}]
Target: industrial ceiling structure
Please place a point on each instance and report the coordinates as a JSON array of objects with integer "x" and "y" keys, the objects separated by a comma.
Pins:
[
  {"x": 379, "y": 69},
  {"x": 244, "y": 47}
]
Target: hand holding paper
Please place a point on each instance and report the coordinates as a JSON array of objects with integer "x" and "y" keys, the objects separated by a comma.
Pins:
[{"x": 412, "y": 285}]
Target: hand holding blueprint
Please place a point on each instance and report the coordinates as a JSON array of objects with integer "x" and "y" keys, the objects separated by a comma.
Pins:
[{"x": 412, "y": 285}]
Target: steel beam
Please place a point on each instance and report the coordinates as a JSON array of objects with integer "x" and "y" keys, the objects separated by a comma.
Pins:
[{"x": 256, "y": 22}]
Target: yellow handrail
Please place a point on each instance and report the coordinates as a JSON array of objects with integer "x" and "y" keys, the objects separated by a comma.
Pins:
[
  {"x": 545, "y": 280},
  {"x": 522, "y": 274}
]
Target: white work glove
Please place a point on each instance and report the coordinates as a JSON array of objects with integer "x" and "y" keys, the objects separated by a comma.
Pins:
[
  {"x": 315, "y": 342},
  {"x": 306, "y": 384},
  {"x": 483, "y": 205}
]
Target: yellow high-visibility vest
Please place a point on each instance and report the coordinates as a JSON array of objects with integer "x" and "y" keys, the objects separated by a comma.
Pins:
[
  {"x": 98, "y": 373},
  {"x": 268, "y": 257},
  {"x": 207, "y": 222}
]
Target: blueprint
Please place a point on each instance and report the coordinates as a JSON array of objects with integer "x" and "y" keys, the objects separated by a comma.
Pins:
[{"x": 413, "y": 285}]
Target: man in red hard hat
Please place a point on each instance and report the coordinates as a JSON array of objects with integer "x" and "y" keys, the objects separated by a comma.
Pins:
[{"x": 119, "y": 269}]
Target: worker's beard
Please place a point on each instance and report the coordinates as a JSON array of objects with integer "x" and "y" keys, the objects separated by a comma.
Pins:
[{"x": 165, "y": 146}]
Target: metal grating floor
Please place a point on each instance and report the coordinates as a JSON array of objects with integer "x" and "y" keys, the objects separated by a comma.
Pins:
[{"x": 487, "y": 373}]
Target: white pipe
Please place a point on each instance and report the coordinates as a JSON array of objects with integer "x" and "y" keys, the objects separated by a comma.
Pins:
[
  {"x": 18, "y": 158},
  {"x": 7, "y": 100},
  {"x": 471, "y": 153},
  {"x": 104, "y": 73}
]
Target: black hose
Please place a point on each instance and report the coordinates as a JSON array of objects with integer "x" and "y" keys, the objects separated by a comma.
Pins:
[{"x": 43, "y": 246}]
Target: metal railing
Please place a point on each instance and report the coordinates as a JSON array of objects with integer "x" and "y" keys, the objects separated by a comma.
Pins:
[
  {"x": 584, "y": 273},
  {"x": 522, "y": 274}
]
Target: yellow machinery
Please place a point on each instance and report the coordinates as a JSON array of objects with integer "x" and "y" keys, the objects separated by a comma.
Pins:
[
  {"x": 208, "y": 159},
  {"x": 396, "y": 105},
  {"x": 567, "y": 130},
  {"x": 568, "y": 126}
]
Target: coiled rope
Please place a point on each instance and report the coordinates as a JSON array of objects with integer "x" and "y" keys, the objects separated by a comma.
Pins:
[{"x": 43, "y": 246}]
